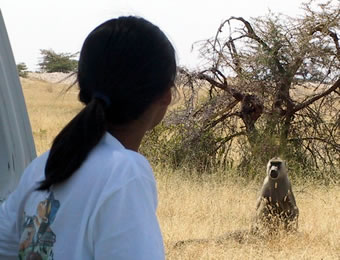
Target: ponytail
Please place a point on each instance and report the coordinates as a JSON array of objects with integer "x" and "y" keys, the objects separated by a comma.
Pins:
[{"x": 72, "y": 145}]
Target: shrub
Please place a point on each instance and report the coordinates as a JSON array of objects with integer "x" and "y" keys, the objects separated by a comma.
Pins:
[
  {"x": 58, "y": 62},
  {"x": 22, "y": 70}
]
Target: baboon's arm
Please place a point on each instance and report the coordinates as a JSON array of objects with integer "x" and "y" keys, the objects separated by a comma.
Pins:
[
  {"x": 258, "y": 202},
  {"x": 294, "y": 210},
  {"x": 292, "y": 197}
]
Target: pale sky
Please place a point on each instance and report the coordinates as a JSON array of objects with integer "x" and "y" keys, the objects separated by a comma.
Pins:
[{"x": 62, "y": 25}]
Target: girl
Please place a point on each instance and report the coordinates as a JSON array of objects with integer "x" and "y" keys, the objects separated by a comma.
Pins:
[{"x": 93, "y": 196}]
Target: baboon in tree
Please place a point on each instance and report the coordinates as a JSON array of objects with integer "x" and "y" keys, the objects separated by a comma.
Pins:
[{"x": 276, "y": 205}]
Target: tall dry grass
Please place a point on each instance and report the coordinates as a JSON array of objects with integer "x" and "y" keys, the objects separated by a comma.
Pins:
[
  {"x": 49, "y": 109},
  {"x": 214, "y": 206},
  {"x": 209, "y": 206}
]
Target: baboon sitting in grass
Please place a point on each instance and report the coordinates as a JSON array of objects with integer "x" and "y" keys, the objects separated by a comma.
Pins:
[{"x": 276, "y": 206}]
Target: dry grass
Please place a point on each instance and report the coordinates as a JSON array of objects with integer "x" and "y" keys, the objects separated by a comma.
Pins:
[
  {"x": 192, "y": 208},
  {"x": 49, "y": 109},
  {"x": 212, "y": 207}
]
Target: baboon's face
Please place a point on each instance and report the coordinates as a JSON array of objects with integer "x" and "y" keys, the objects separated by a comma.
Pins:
[{"x": 275, "y": 168}]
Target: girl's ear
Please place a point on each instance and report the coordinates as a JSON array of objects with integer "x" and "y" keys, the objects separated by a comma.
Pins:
[{"x": 166, "y": 98}]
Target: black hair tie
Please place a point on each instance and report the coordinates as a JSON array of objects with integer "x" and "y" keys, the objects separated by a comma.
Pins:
[{"x": 101, "y": 96}]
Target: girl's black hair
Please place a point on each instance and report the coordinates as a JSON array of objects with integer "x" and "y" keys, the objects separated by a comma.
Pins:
[{"x": 124, "y": 65}]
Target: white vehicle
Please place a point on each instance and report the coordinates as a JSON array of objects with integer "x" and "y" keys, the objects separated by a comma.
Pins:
[{"x": 17, "y": 148}]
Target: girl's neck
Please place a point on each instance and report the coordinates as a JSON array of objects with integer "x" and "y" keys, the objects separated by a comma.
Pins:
[{"x": 129, "y": 139}]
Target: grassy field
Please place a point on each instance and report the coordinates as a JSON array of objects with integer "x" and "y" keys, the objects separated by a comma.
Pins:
[{"x": 207, "y": 207}]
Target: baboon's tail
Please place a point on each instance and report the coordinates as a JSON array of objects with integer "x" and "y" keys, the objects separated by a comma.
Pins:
[{"x": 237, "y": 235}]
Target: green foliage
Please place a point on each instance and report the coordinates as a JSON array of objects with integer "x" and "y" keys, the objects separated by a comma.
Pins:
[
  {"x": 58, "y": 62},
  {"x": 22, "y": 70},
  {"x": 186, "y": 146},
  {"x": 268, "y": 144},
  {"x": 169, "y": 145}
]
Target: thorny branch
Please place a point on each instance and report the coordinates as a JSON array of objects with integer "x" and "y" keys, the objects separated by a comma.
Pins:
[{"x": 266, "y": 72}]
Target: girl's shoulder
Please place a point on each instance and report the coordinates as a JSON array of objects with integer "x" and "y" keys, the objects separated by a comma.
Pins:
[
  {"x": 111, "y": 151},
  {"x": 34, "y": 172},
  {"x": 111, "y": 164}
]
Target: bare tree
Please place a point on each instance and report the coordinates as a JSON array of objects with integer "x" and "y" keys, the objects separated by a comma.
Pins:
[{"x": 273, "y": 84}]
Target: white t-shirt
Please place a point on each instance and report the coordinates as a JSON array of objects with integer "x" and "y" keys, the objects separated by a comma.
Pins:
[{"x": 106, "y": 210}]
